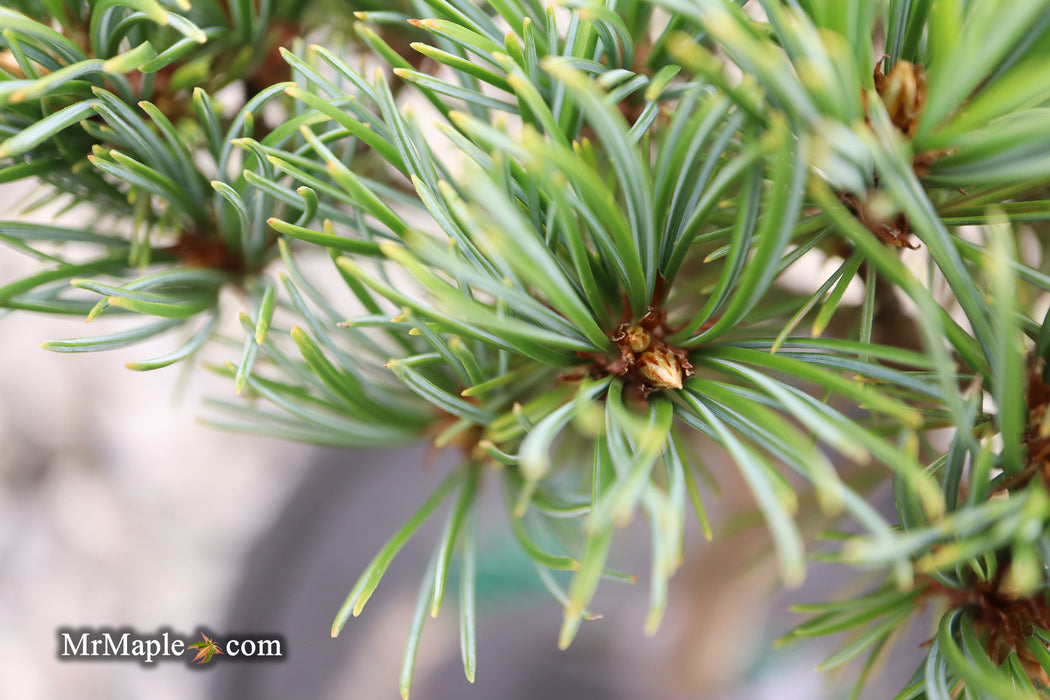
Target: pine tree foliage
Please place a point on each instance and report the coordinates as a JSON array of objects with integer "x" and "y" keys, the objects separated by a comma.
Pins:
[{"x": 564, "y": 234}]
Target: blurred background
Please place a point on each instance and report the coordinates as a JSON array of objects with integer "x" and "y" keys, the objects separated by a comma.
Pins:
[{"x": 118, "y": 509}]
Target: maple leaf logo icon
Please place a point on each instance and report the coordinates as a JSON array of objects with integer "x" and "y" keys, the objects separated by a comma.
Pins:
[{"x": 205, "y": 649}]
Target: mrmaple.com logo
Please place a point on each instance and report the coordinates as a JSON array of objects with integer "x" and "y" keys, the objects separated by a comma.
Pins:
[{"x": 125, "y": 644}]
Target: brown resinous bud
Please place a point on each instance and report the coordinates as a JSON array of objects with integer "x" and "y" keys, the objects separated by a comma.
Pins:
[
  {"x": 903, "y": 92},
  {"x": 636, "y": 338},
  {"x": 662, "y": 368}
]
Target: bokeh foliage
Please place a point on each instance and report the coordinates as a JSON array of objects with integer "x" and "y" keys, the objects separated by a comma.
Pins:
[{"x": 571, "y": 240}]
